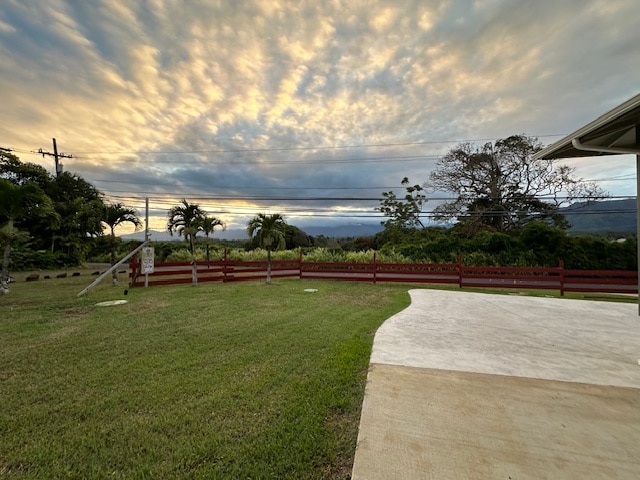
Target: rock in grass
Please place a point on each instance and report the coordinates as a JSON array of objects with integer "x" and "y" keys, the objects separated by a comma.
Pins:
[
  {"x": 32, "y": 277},
  {"x": 62, "y": 275}
]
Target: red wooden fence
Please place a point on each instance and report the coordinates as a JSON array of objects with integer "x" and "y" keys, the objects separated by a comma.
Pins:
[{"x": 558, "y": 278}]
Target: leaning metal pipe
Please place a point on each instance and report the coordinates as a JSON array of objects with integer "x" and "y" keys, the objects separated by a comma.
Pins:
[{"x": 113, "y": 267}]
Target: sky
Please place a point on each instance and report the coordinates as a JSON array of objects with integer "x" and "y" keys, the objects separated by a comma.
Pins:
[{"x": 306, "y": 108}]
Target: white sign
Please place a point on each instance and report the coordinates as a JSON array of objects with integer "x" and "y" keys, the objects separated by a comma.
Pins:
[{"x": 147, "y": 260}]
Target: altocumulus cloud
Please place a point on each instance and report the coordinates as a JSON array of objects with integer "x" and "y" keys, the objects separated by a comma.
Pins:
[{"x": 220, "y": 100}]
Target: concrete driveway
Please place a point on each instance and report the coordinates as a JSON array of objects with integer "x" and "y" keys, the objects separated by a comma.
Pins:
[{"x": 469, "y": 385}]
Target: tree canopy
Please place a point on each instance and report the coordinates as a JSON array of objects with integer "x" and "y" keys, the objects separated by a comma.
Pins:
[
  {"x": 81, "y": 209},
  {"x": 500, "y": 187},
  {"x": 271, "y": 233},
  {"x": 116, "y": 214},
  {"x": 403, "y": 212},
  {"x": 207, "y": 226},
  {"x": 63, "y": 222},
  {"x": 18, "y": 201},
  {"x": 20, "y": 173},
  {"x": 186, "y": 220}
]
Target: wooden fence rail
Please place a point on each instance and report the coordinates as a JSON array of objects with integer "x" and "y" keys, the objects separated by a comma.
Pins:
[{"x": 557, "y": 278}]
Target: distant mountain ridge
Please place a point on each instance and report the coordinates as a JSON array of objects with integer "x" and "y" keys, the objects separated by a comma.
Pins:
[
  {"x": 347, "y": 230},
  {"x": 601, "y": 218},
  {"x": 337, "y": 231},
  {"x": 616, "y": 217}
]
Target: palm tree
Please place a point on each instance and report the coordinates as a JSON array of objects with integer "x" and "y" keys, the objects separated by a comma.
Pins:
[
  {"x": 208, "y": 225},
  {"x": 185, "y": 219},
  {"x": 270, "y": 232},
  {"x": 17, "y": 202},
  {"x": 117, "y": 214}
]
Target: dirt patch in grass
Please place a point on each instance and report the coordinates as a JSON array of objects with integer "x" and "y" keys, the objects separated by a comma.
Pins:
[
  {"x": 148, "y": 304},
  {"x": 75, "y": 312}
]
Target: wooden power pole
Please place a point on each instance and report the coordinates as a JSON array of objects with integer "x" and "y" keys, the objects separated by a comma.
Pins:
[{"x": 56, "y": 157}]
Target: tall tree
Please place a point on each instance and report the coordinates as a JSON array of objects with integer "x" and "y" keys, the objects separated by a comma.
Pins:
[
  {"x": 270, "y": 231},
  {"x": 116, "y": 214},
  {"x": 208, "y": 225},
  {"x": 20, "y": 173},
  {"x": 185, "y": 220},
  {"x": 296, "y": 238},
  {"x": 78, "y": 205},
  {"x": 500, "y": 186},
  {"x": 81, "y": 209},
  {"x": 404, "y": 212},
  {"x": 16, "y": 202}
]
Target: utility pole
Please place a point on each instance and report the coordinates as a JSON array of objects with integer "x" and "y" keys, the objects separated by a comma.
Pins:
[{"x": 56, "y": 156}]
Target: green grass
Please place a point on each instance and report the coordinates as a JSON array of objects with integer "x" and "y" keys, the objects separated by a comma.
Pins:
[
  {"x": 225, "y": 380},
  {"x": 233, "y": 380}
]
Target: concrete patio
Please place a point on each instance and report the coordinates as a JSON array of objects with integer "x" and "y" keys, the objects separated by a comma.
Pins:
[{"x": 470, "y": 385}]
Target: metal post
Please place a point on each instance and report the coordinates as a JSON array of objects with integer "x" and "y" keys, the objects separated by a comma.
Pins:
[
  {"x": 375, "y": 268},
  {"x": 113, "y": 267},
  {"x": 300, "y": 264}
]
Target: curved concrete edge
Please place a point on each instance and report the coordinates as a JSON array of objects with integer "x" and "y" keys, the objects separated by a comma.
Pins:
[
  {"x": 466, "y": 385},
  {"x": 533, "y": 337}
]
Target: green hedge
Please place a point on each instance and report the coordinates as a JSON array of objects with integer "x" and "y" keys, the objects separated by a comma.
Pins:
[{"x": 23, "y": 259}]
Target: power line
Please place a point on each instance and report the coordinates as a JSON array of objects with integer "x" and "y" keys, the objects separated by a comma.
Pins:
[
  {"x": 377, "y": 188},
  {"x": 618, "y": 178},
  {"x": 431, "y": 215},
  {"x": 278, "y": 149},
  {"x": 301, "y": 162},
  {"x": 327, "y": 198},
  {"x": 236, "y": 187},
  {"x": 372, "y": 213},
  {"x": 286, "y": 149}
]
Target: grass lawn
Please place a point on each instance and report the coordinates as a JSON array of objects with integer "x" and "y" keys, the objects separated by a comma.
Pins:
[{"x": 233, "y": 380}]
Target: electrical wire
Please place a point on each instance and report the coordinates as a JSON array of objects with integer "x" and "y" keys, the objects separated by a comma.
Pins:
[
  {"x": 201, "y": 197},
  {"x": 286, "y": 149},
  {"x": 303, "y": 163},
  {"x": 253, "y": 187},
  {"x": 231, "y": 209},
  {"x": 278, "y": 149}
]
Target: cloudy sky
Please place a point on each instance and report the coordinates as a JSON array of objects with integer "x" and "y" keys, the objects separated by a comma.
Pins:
[{"x": 307, "y": 108}]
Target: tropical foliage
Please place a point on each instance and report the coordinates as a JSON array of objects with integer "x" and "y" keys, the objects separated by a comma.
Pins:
[
  {"x": 505, "y": 212},
  {"x": 81, "y": 210},
  {"x": 270, "y": 231},
  {"x": 18, "y": 201},
  {"x": 117, "y": 214},
  {"x": 404, "y": 212},
  {"x": 207, "y": 226},
  {"x": 186, "y": 220},
  {"x": 62, "y": 224},
  {"x": 536, "y": 244}
]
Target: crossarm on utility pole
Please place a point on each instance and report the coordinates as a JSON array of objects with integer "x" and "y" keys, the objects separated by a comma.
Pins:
[{"x": 113, "y": 267}]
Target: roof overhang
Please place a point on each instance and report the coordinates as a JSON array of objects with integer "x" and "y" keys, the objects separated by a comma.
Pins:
[{"x": 614, "y": 133}]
